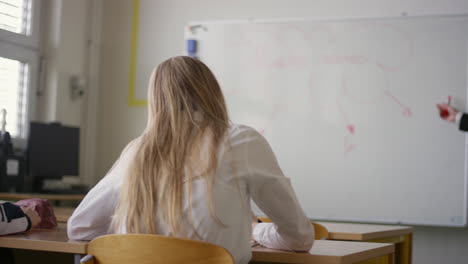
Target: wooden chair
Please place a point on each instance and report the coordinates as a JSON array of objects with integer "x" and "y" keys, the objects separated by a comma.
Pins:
[
  {"x": 154, "y": 249},
  {"x": 321, "y": 232}
]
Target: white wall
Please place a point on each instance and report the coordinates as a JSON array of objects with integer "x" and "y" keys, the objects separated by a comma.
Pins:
[
  {"x": 65, "y": 38},
  {"x": 119, "y": 123},
  {"x": 64, "y": 45}
]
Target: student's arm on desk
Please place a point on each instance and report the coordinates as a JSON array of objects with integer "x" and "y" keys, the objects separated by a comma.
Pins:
[
  {"x": 92, "y": 218},
  {"x": 273, "y": 194},
  {"x": 13, "y": 219}
]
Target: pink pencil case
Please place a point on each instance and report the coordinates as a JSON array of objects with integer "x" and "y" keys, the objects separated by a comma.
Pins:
[{"x": 43, "y": 208}]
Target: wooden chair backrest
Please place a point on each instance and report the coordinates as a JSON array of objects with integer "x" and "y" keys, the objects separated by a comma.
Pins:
[
  {"x": 321, "y": 232},
  {"x": 152, "y": 249}
]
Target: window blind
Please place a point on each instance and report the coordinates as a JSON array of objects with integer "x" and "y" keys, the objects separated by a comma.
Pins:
[
  {"x": 15, "y": 16},
  {"x": 13, "y": 85}
]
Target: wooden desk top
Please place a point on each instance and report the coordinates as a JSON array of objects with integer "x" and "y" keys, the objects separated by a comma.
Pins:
[
  {"x": 60, "y": 197},
  {"x": 63, "y": 213},
  {"x": 324, "y": 252},
  {"x": 54, "y": 240},
  {"x": 362, "y": 232}
]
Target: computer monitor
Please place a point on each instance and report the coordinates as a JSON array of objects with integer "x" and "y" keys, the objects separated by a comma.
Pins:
[{"x": 53, "y": 151}]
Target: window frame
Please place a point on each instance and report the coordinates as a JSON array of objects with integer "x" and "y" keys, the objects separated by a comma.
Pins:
[
  {"x": 25, "y": 48},
  {"x": 30, "y": 41}
]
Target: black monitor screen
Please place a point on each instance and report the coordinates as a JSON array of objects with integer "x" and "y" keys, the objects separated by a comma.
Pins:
[{"x": 53, "y": 150}]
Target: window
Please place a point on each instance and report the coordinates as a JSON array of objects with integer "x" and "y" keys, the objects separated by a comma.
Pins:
[
  {"x": 15, "y": 16},
  {"x": 13, "y": 83},
  {"x": 19, "y": 55}
]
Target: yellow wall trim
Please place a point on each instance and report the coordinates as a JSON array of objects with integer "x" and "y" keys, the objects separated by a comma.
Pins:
[{"x": 132, "y": 100}]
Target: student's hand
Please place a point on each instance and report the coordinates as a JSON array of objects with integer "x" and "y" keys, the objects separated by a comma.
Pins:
[
  {"x": 254, "y": 223},
  {"x": 33, "y": 216},
  {"x": 447, "y": 112}
]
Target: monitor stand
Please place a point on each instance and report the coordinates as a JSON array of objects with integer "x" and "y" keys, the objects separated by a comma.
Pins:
[
  {"x": 38, "y": 187},
  {"x": 38, "y": 184}
]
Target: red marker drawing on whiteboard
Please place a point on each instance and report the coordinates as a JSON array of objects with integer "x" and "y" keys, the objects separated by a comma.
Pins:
[
  {"x": 444, "y": 112},
  {"x": 405, "y": 109}
]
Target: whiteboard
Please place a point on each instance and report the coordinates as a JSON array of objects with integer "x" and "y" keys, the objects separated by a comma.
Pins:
[{"x": 348, "y": 107}]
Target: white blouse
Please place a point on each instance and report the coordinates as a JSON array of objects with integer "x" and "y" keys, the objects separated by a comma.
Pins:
[{"x": 247, "y": 170}]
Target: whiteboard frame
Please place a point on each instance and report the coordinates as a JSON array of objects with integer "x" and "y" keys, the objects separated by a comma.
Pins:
[{"x": 319, "y": 19}]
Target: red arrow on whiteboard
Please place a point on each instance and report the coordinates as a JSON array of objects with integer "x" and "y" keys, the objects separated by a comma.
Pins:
[
  {"x": 348, "y": 147},
  {"x": 405, "y": 109},
  {"x": 351, "y": 128}
]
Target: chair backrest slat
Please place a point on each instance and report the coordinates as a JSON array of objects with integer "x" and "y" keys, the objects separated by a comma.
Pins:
[{"x": 153, "y": 249}]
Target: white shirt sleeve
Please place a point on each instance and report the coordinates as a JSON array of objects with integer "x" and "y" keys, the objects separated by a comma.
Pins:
[
  {"x": 15, "y": 226},
  {"x": 458, "y": 117},
  {"x": 12, "y": 222},
  {"x": 92, "y": 218},
  {"x": 273, "y": 194}
]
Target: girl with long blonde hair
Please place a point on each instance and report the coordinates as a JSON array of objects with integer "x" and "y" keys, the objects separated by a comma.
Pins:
[{"x": 192, "y": 174}]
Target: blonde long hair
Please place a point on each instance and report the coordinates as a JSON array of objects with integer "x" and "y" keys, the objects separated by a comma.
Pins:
[{"x": 187, "y": 122}]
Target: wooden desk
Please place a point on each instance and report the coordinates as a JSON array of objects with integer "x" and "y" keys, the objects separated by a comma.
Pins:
[
  {"x": 330, "y": 252},
  {"x": 54, "y": 197},
  {"x": 63, "y": 213},
  {"x": 323, "y": 252},
  {"x": 401, "y": 236},
  {"x": 53, "y": 240}
]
